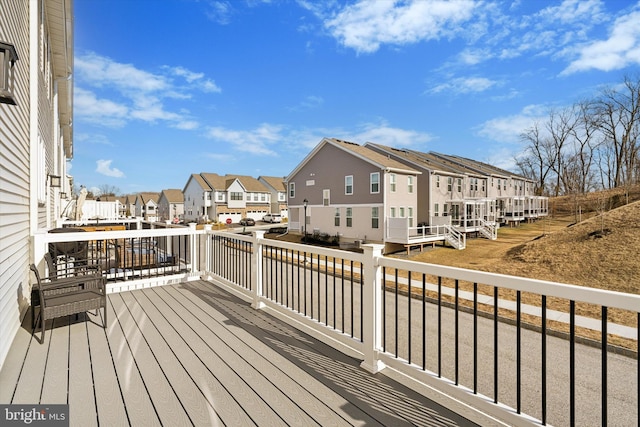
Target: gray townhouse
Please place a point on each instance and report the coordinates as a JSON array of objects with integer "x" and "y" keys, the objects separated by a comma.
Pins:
[
  {"x": 278, "y": 190},
  {"x": 171, "y": 205},
  {"x": 344, "y": 189}
]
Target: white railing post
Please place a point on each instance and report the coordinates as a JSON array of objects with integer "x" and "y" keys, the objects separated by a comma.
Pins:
[
  {"x": 192, "y": 248},
  {"x": 207, "y": 248},
  {"x": 372, "y": 308},
  {"x": 256, "y": 276}
]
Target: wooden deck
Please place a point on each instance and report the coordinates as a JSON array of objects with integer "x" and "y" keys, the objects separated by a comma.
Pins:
[{"x": 193, "y": 354}]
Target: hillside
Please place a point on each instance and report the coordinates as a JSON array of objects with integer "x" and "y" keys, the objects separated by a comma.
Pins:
[{"x": 601, "y": 252}]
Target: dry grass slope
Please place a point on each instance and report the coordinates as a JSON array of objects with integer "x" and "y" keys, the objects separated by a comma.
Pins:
[{"x": 602, "y": 251}]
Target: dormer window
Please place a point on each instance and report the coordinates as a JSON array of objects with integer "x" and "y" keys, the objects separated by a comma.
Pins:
[{"x": 8, "y": 58}]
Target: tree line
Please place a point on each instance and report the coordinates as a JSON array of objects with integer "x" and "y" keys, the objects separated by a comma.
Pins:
[{"x": 590, "y": 145}]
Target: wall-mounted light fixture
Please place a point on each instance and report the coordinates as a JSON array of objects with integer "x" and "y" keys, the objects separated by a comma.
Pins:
[
  {"x": 54, "y": 181},
  {"x": 8, "y": 58}
]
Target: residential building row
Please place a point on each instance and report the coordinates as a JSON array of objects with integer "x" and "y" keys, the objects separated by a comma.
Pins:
[
  {"x": 377, "y": 193},
  {"x": 206, "y": 197}
]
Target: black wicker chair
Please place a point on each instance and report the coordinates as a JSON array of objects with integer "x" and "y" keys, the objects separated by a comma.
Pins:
[{"x": 63, "y": 296}]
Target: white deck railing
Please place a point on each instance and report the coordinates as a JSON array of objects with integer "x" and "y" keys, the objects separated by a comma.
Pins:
[{"x": 510, "y": 347}]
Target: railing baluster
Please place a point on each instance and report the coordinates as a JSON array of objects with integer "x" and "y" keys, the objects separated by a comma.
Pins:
[
  {"x": 396, "y": 315},
  {"x": 604, "y": 366},
  {"x": 495, "y": 344},
  {"x": 424, "y": 322},
  {"x": 409, "y": 316},
  {"x": 475, "y": 338},
  {"x": 439, "y": 326},
  {"x": 457, "y": 332},
  {"x": 544, "y": 360},
  {"x": 518, "y": 353},
  {"x": 572, "y": 363}
]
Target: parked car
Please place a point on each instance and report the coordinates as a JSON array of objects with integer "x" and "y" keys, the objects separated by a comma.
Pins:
[
  {"x": 247, "y": 221},
  {"x": 272, "y": 218}
]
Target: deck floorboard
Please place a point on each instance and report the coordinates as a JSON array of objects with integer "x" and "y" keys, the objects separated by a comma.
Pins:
[{"x": 193, "y": 354}]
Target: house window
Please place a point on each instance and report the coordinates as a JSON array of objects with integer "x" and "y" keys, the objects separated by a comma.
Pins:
[
  {"x": 401, "y": 212},
  {"x": 449, "y": 183},
  {"x": 349, "y": 217},
  {"x": 392, "y": 212},
  {"x": 375, "y": 217},
  {"x": 336, "y": 217},
  {"x": 375, "y": 182},
  {"x": 437, "y": 181},
  {"x": 436, "y": 210},
  {"x": 446, "y": 209},
  {"x": 459, "y": 185},
  {"x": 410, "y": 216},
  {"x": 392, "y": 182},
  {"x": 8, "y": 58},
  {"x": 326, "y": 199},
  {"x": 410, "y": 184},
  {"x": 263, "y": 197},
  {"x": 292, "y": 189},
  {"x": 348, "y": 184},
  {"x": 236, "y": 195}
]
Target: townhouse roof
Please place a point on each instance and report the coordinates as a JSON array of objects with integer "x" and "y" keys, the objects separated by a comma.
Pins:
[
  {"x": 222, "y": 183},
  {"x": 148, "y": 196},
  {"x": 419, "y": 160},
  {"x": 173, "y": 195},
  {"x": 249, "y": 183},
  {"x": 362, "y": 152},
  {"x": 479, "y": 167},
  {"x": 199, "y": 178},
  {"x": 276, "y": 182}
]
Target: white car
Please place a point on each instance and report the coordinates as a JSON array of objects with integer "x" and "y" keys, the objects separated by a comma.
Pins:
[{"x": 272, "y": 218}]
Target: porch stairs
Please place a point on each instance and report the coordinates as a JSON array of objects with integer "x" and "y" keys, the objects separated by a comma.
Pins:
[
  {"x": 455, "y": 238},
  {"x": 489, "y": 231}
]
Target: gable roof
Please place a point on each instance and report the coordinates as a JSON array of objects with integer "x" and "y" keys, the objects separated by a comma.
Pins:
[
  {"x": 361, "y": 152},
  {"x": 479, "y": 167},
  {"x": 173, "y": 195},
  {"x": 420, "y": 160},
  {"x": 146, "y": 197},
  {"x": 275, "y": 182}
]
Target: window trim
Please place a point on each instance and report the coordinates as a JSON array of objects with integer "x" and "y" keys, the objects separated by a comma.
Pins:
[
  {"x": 349, "y": 217},
  {"x": 292, "y": 190},
  {"x": 375, "y": 217},
  {"x": 8, "y": 58},
  {"x": 372, "y": 183},
  {"x": 348, "y": 186}
]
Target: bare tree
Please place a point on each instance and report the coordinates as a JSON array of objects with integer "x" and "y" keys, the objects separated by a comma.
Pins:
[
  {"x": 618, "y": 112},
  {"x": 108, "y": 190},
  {"x": 534, "y": 164}
]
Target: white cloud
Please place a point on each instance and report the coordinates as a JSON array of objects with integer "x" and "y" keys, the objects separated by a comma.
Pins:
[
  {"x": 464, "y": 85},
  {"x": 365, "y": 25},
  {"x": 104, "y": 167},
  {"x": 134, "y": 94},
  {"x": 255, "y": 141},
  {"x": 382, "y": 133},
  {"x": 101, "y": 71},
  {"x": 620, "y": 50},
  {"x": 220, "y": 12},
  {"x": 309, "y": 103},
  {"x": 89, "y": 107},
  {"x": 508, "y": 128}
]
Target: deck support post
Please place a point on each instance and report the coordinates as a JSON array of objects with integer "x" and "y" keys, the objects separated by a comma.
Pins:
[
  {"x": 256, "y": 270},
  {"x": 372, "y": 308}
]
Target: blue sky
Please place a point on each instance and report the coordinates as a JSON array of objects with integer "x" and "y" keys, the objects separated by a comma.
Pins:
[{"x": 167, "y": 88}]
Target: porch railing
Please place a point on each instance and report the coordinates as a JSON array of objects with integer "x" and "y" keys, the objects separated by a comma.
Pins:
[{"x": 520, "y": 350}]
